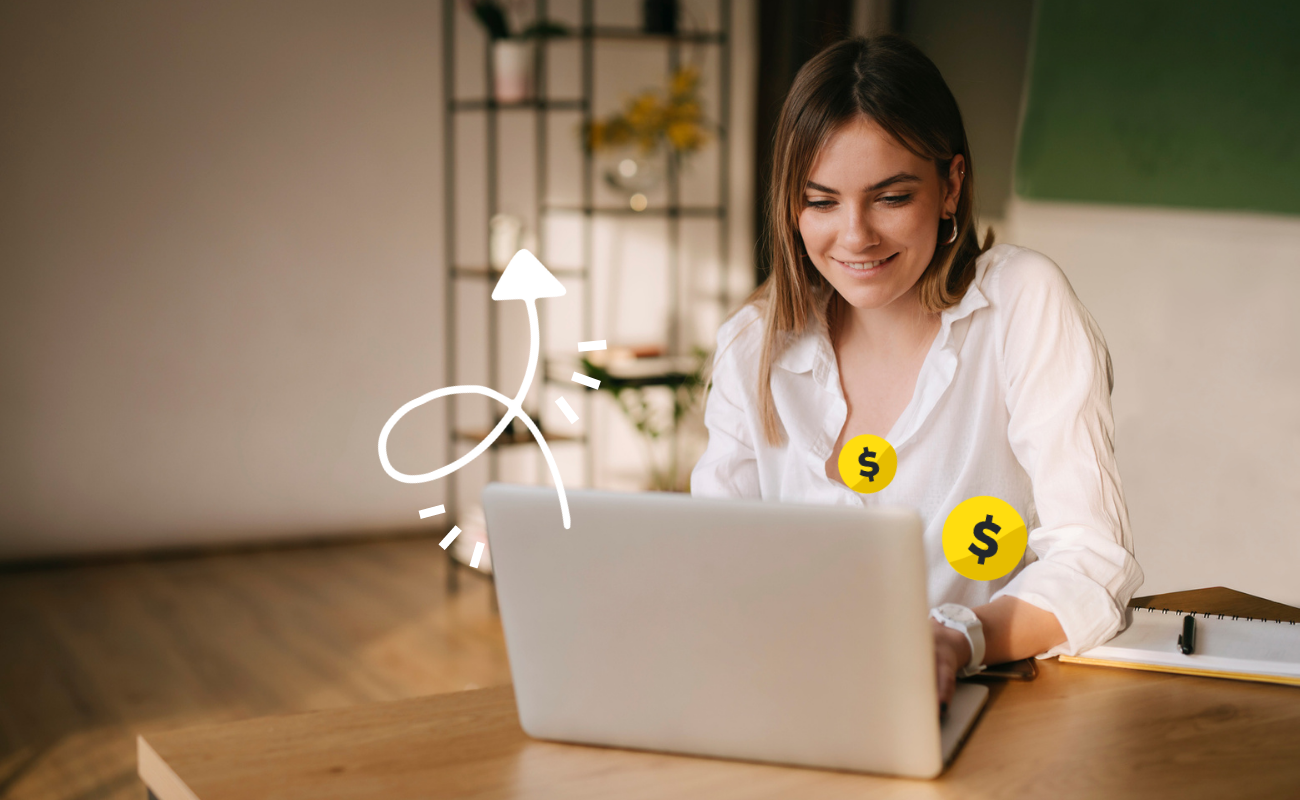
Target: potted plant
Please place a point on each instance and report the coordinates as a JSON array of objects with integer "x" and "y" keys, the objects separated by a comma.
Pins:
[
  {"x": 685, "y": 381},
  {"x": 652, "y": 127},
  {"x": 512, "y": 54}
]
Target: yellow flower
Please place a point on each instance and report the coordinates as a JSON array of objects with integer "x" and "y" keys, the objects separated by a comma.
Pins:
[
  {"x": 685, "y": 136},
  {"x": 683, "y": 112},
  {"x": 649, "y": 119},
  {"x": 596, "y": 135},
  {"x": 643, "y": 112},
  {"x": 684, "y": 82}
]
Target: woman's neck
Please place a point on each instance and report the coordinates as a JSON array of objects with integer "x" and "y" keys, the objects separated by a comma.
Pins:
[{"x": 901, "y": 327}]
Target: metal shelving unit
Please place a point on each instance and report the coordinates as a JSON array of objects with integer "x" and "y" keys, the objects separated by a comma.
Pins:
[{"x": 588, "y": 35}]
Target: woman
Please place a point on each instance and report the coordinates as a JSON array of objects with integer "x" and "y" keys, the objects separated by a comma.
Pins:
[{"x": 884, "y": 315}]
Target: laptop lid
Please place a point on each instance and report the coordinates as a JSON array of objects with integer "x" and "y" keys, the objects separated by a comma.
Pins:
[{"x": 763, "y": 631}]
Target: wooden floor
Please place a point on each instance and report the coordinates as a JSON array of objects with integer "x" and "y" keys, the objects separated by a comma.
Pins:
[{"x": 92, "y": 654}]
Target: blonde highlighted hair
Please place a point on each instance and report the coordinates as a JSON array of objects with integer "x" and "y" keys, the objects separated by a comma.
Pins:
[{"x": 889, "y": 81}]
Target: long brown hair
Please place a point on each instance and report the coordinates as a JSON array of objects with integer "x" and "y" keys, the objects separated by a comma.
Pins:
[{"x": 889, "y": 81}]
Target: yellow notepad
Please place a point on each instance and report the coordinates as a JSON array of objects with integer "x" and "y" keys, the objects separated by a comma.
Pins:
[{"x": 1226, "y": 647}]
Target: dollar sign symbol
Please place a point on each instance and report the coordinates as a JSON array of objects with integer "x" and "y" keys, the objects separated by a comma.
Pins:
[
  {"x": 870, "y": 465},
  {"x": 980, "y": 527}
]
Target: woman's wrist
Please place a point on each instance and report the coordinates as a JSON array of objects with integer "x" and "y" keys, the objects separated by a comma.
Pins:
[
  {"x": 1015, "y": 629},
  {"x": 957, "y": 642},
  {"x": 968, "y": 625}
]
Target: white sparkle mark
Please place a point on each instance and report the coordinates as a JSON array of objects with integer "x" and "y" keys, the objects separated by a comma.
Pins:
[
  {"x": 566, "y": 409},
  {"x": 590, "y": 383},
  {"x": 586, "y": 347},
  {"x": 478, "y": 553},
  {"x": 450, "y": 537},
  {"x": 425, "y": 513}
]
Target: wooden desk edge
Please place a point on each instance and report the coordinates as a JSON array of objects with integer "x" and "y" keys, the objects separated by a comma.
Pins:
[
  {"x": 161, "y": 780},
  {"x": 165, "y": 784}
]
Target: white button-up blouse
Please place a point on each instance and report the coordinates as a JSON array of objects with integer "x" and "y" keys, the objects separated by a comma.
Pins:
[{"x": 1013, "y": 400}]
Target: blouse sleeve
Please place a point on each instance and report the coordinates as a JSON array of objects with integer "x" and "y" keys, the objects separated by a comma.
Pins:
[
  {"x": 729, "y": 466},
  {"x": 1057, "y": 372}
]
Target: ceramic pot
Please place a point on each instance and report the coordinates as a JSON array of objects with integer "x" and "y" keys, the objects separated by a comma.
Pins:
[{"x": 512, "y": 61}]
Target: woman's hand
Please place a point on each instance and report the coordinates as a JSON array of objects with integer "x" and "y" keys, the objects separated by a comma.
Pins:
[
  {"x": 951, "y": 655},
  {"x": 1013, "y": 629}
]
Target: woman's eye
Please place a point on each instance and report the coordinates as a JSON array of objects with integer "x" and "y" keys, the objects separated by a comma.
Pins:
[
  {"x": 820, "y": 203},
  {"x": 896, "y": 199}
]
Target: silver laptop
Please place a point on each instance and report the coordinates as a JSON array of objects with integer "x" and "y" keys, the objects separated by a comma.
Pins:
[{"x": 794, "y": 634}]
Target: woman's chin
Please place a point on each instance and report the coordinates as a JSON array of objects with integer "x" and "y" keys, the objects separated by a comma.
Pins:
[{"x": 867, "y": 298}]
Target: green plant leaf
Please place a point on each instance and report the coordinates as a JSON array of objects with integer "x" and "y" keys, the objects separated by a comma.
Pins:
[{"x": 493, "y": 18}]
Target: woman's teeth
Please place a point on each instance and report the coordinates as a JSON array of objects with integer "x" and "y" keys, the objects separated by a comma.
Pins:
[{"x": 865, "y": 265}]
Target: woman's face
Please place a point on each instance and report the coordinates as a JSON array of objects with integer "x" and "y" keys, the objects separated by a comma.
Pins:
[{"x": 870, "y": 219}]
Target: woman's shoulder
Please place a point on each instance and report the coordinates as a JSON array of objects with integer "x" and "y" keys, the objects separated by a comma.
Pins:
[
  {"x": 1008, "y": 274},
  {"x": 740, "y": 347},
  {"x": 741, "y": 336},
  {"x": 1029, "y": 294}
]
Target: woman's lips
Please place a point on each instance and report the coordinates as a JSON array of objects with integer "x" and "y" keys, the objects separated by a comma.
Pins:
[{"x": 862, "y": 268}]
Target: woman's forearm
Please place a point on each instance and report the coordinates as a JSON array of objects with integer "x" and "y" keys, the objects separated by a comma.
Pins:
[{"x": 1014, "y": 629}]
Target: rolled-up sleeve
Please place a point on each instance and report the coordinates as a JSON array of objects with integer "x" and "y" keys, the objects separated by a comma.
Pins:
[
  {"x": 1058, "y": 378},
  {"x": 729, "y": 466}
]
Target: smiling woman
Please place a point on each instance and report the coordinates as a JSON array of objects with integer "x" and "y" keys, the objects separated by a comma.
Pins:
[
  {"x": 873, "y": 243},
  {"x": 851, "y": 236},
  {"x": 883, "y": 315}
]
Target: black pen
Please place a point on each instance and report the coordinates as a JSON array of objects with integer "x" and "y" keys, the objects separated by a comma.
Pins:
[{"x": 1187, "y": 642}]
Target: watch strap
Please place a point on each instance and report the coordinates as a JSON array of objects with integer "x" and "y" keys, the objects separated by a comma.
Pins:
[{"x": 976, "y": 640}]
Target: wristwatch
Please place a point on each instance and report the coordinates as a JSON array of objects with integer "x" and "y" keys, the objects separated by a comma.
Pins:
[{"x": 961, "y": 618}]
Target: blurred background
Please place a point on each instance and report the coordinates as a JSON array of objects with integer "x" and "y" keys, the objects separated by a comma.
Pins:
[{"x": 236, "y": 237}]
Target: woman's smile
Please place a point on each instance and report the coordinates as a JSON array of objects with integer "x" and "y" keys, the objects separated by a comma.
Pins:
[{"x": 865, "y": 269}]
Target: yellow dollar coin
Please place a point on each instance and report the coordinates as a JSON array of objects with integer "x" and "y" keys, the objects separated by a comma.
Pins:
[
  {"x": 868, "y": 463},
  {"x": 984, "y": 538}
]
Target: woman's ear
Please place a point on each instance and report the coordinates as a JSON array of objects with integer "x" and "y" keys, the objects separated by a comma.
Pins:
[{"x": 953, "y": 186}]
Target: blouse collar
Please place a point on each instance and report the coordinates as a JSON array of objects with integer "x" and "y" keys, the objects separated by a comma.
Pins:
[{"x": 810, "y": 350}]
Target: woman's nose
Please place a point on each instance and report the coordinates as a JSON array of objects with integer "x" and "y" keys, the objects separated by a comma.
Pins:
[{"x": 858, "y": 235}]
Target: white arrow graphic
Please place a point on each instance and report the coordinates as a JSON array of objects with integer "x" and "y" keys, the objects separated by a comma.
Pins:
[{"x": 525, "y": 279}]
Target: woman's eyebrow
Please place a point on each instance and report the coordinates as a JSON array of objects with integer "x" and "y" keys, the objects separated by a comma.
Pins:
[
  {"x": 902, "y": 177},
  {"x": 820, "y": 188}
]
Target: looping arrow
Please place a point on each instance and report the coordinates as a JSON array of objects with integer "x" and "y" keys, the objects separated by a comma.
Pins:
[{"x": 525, "y": 278}]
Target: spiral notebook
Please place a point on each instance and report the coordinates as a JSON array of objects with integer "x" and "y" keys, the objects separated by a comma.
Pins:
[{"x": 1239, "y": 648}]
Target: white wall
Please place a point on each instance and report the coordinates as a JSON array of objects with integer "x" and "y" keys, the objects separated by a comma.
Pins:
[
  {"x": 1198, "y": 309},
  {"x": 219, "y": 231},
  {"x": 221, "y": 249}
]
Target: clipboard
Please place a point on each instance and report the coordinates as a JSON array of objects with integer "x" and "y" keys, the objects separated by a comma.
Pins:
[{"x": 1227, "y": 646}]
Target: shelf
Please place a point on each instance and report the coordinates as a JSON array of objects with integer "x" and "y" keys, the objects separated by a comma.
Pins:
[
  {"x": 669, "y": 379},
  {"x": 589, "y": 43},
  {"x": 636, "y": 34},
  {"x": 653, "y": 211},
  {"x": 492, "y": 273},
  {"x": 636, "y": 373},
  {"x": 481, "y": 104},
  {"x": 630, "y": 34},
  {"x": 516, "y": 438}
]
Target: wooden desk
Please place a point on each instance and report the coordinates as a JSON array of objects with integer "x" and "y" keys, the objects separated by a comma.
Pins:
[{"x": 1076, "y": 731}]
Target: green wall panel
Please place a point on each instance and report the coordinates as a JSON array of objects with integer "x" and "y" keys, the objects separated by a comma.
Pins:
[{"x": 1149, "y": 102}]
